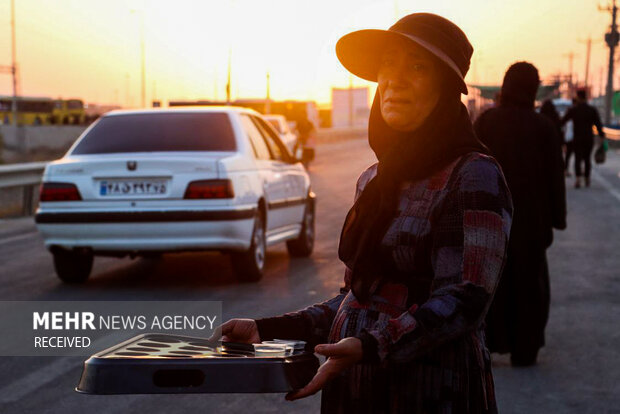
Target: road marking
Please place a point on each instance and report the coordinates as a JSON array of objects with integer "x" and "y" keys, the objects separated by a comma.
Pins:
[
  {"x": 36, "y": 379},
  {"x": 18, "y": 237},
  {"x": 606, "y": 184}
]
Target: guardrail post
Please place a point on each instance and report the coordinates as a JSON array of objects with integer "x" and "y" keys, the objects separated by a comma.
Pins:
[{"x": 28, "y": 191}]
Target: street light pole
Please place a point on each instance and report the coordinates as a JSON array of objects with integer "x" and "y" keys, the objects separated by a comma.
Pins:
[
  {"x": 228, "y": 76},
  {"x": 589, "y": 47},
  {"x": 13, "y": 66}
]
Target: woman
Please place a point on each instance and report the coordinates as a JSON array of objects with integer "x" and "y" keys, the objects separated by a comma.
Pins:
[
  {"x": 527, "y": 145},
  {"x": 548, "y": 109},
  {"x": 569, "y": 140},
  {"x": 424, "y": 242}
]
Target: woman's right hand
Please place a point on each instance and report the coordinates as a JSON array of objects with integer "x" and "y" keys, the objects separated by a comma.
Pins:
[{"x": 238, "y": 330}]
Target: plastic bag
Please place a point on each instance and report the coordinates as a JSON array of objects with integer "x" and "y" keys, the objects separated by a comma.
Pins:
[{"x": 600, "y": 152}]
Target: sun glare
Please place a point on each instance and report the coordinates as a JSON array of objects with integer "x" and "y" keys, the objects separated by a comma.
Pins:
[{"x": 92, "y": 49}]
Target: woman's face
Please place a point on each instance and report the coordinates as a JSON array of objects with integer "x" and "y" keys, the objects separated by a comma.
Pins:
[{"x": 409, "y": 85}]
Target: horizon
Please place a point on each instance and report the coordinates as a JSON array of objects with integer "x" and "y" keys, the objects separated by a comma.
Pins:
[{"x": 91, "y": 50}]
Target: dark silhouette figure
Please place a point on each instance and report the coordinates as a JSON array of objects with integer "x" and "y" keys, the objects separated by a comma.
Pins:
[
  {"x": 569, "y": 142},
  {"x": 527, "y": 146},
  {"x": 584, "y": 117},
  {"x": 548, "y": 109},
  {"x": 305, "y": 139}
]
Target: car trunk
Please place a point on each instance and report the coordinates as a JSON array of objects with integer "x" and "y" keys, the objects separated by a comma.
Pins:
[{"x": 135, "y": 176}]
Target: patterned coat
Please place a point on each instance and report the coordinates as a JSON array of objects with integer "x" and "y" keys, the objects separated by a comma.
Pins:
[{"x": 448, "y": 244}]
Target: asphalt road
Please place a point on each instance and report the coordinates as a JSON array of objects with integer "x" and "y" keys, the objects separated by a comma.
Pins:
[{"x": 579, "y": 370}]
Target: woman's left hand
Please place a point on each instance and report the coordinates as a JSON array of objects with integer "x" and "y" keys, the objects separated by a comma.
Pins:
[{"x": 340, "y": 356}]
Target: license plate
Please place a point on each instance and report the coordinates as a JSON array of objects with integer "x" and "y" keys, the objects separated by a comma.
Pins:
[{"x": 132, "y": 188}]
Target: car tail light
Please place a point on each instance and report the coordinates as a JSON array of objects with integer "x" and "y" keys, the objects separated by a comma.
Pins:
[
  {"x": 59, "y": 192},
  {"x": 209, "y": 189}
]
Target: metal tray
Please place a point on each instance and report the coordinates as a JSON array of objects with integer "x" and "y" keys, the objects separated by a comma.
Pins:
[{"x": 172, "y": 364}]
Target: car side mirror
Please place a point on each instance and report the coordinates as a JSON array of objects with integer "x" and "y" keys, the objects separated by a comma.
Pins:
[{"x": 298, "y": 155}]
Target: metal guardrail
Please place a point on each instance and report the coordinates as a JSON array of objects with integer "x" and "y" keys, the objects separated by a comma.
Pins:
[
  {"x": 17, "y": 175},
  {"x": 28, "y": 176}
]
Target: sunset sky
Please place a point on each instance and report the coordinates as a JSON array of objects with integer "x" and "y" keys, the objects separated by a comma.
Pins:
[{"x": 91, "y": 49}]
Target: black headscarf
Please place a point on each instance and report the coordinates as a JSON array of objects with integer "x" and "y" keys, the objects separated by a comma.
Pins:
[
  {"x": 444, "y": 136},
  {"x": 520, "y": 85}
]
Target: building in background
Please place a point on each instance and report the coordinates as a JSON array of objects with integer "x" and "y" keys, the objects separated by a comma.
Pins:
[{"x": 350, "y": 107}]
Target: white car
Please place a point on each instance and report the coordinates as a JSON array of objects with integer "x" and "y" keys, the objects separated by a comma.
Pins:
[
  {"x": 167, "y": 180},
  {"x": 282, "y": 127}
]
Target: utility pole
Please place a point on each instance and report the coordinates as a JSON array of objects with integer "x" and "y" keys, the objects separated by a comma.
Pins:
[
  {"x": 13, "y": 66},
  {"x": 588, "y": 48},
  {"x": 587, "y": 83},
  {"x": 611, "y": 39},
  {"x": 228, "y": 77},
  {"x": 12, "y": 69},
  {"x": 570, "y": 57}
]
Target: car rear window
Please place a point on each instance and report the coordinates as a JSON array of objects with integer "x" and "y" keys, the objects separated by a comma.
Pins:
[
  {"x": 276, "y": 124},
  {"x": 158, "y": 132}
]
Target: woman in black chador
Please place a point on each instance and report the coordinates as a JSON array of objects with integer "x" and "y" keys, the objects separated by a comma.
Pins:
[
  {"x": 528, "y": 148},
  {"x": 423, "y": 244}
]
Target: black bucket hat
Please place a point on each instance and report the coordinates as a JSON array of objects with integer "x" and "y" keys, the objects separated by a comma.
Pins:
[{"x": 360, "y": 52}]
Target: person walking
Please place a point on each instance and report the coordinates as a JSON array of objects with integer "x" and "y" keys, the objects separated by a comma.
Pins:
[
  {"x": 584, "y": 117},
  {"x": 548, "y": 109},
  {"x": 424, "y": 243},
  {"x": 569, "y": 143},
  {"x": 527, "y": 146},
  {"x": 306, "y": 139}
]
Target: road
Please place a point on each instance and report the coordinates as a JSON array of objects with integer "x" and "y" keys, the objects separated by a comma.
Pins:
[{"x": 579, "y": 370}]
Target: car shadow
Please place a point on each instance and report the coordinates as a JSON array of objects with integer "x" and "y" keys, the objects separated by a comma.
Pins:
[{"x": 188, "y": 274}]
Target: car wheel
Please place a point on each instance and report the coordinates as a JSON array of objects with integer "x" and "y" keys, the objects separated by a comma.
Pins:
[
  {"x": 152, "y": 255},
  {"x": 303, "y": 245},
  {"x": 249, "y": 265},
  {"x": 71, "y": 266}
]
